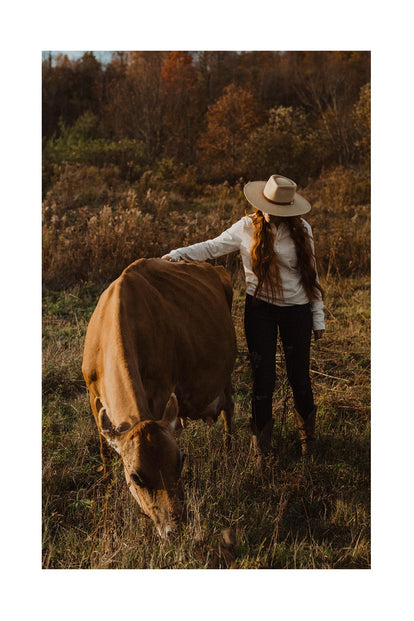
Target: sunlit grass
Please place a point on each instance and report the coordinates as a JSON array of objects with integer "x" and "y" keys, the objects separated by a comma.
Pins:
[{"x": 294, "y": 516}]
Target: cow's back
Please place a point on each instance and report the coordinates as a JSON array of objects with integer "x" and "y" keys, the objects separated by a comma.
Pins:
[
  {"x": 170, "y": 326},
  {"x": 195, "y": 302}
]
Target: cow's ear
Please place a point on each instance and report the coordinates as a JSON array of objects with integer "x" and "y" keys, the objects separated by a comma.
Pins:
[
  {"x": 105, "y": 422},
  {"x": 106, "y": 425},
  {"x": 169, "y": 418}
]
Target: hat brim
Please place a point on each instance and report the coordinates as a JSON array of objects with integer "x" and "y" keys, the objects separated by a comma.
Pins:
[{"x": 253, "y": 191}]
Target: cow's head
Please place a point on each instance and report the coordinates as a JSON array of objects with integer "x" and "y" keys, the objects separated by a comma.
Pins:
[{"x": 153, "y": 464}]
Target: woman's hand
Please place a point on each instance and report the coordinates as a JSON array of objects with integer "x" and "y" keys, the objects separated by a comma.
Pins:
[
  {"x": 168, "y": 257},
  {"x": 318, "y": 334}
]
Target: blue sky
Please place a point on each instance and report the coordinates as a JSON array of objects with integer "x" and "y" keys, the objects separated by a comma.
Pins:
[{"x": 103, "y": 56}]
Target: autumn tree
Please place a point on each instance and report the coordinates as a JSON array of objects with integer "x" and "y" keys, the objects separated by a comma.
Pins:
[
  {"x": 57, "y": 94},
  {"x": 138, "y": 100},
  {"x": 179, "y": 73},
  {"x": 327, "y": 84},
  {"x": 259, "y": 73},
  {"x": 230, "y": 120},
  {"x": 215, "y": 71},
  {"x": 182, "y": 120},
  {"x": 286, "y": 144},
  {"x": 69, "y": 89},
  {"x": 200, "y": 107}
]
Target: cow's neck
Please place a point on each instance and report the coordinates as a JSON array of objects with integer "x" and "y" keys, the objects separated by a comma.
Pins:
[{"x": 125, "y": 395}]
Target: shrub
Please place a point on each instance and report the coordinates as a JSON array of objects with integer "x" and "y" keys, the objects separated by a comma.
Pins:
[
  {"x": 95, "y": 246},
  {"x": 81, "y": 144},
  {"x": 362, "y": 121},
  {"x": 286, "y": 144},
  {"x": 175, "y": 176},
  {"x": 341, "y": 221},
  {"x": 78, "y": 185},
  {"x": 340, "y": 189}
]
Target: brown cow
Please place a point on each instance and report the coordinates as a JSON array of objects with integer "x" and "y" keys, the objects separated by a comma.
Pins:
[{"x": 160, "y": 343}]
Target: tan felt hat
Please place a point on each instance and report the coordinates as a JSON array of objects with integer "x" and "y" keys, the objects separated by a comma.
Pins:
[{"x": 277, "y": 196}]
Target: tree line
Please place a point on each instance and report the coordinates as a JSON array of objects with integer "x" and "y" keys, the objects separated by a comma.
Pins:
[{"x": 225, "y": 115}]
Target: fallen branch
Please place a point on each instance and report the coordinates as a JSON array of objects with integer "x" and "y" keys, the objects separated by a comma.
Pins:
[{"x": 342, "y": 379}]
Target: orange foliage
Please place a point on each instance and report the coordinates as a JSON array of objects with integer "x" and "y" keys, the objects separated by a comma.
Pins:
[
  {"x": 178, "y": 72},
  {"x": 230, "y": 120}
]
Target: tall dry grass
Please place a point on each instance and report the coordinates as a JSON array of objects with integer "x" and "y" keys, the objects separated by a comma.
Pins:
[
  {"x": 94, "y": 226},
  {"x": 295, "y": 516}
]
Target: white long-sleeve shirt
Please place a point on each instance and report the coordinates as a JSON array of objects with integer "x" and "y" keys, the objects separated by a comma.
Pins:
[{"x": 240, "y": 237}]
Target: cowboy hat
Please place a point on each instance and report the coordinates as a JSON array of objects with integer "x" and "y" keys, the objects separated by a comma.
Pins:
[{"x": 277, "y": 196}]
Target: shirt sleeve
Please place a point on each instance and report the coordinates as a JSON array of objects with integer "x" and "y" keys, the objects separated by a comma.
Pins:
[
  {"x": 228, "y": 241},
  {"x": 318, "y": 316}
]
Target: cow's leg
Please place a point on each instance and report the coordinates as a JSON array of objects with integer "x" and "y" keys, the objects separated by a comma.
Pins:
[{"x": 227, "y": 413}]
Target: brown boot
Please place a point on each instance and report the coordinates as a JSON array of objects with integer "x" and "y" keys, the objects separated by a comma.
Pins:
[
  {"x": 261, "y": 441},
  {"x": 306, "y": 428}
]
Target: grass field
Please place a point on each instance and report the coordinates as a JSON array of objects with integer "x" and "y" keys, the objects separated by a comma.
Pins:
[{"x": 294, "y": 516}]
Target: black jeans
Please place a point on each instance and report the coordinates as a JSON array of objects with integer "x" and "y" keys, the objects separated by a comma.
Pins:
[{"x": 261, "y": 321}]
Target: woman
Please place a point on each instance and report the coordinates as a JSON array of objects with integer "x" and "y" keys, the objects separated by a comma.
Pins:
[{"x": 277, "y": 250}]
